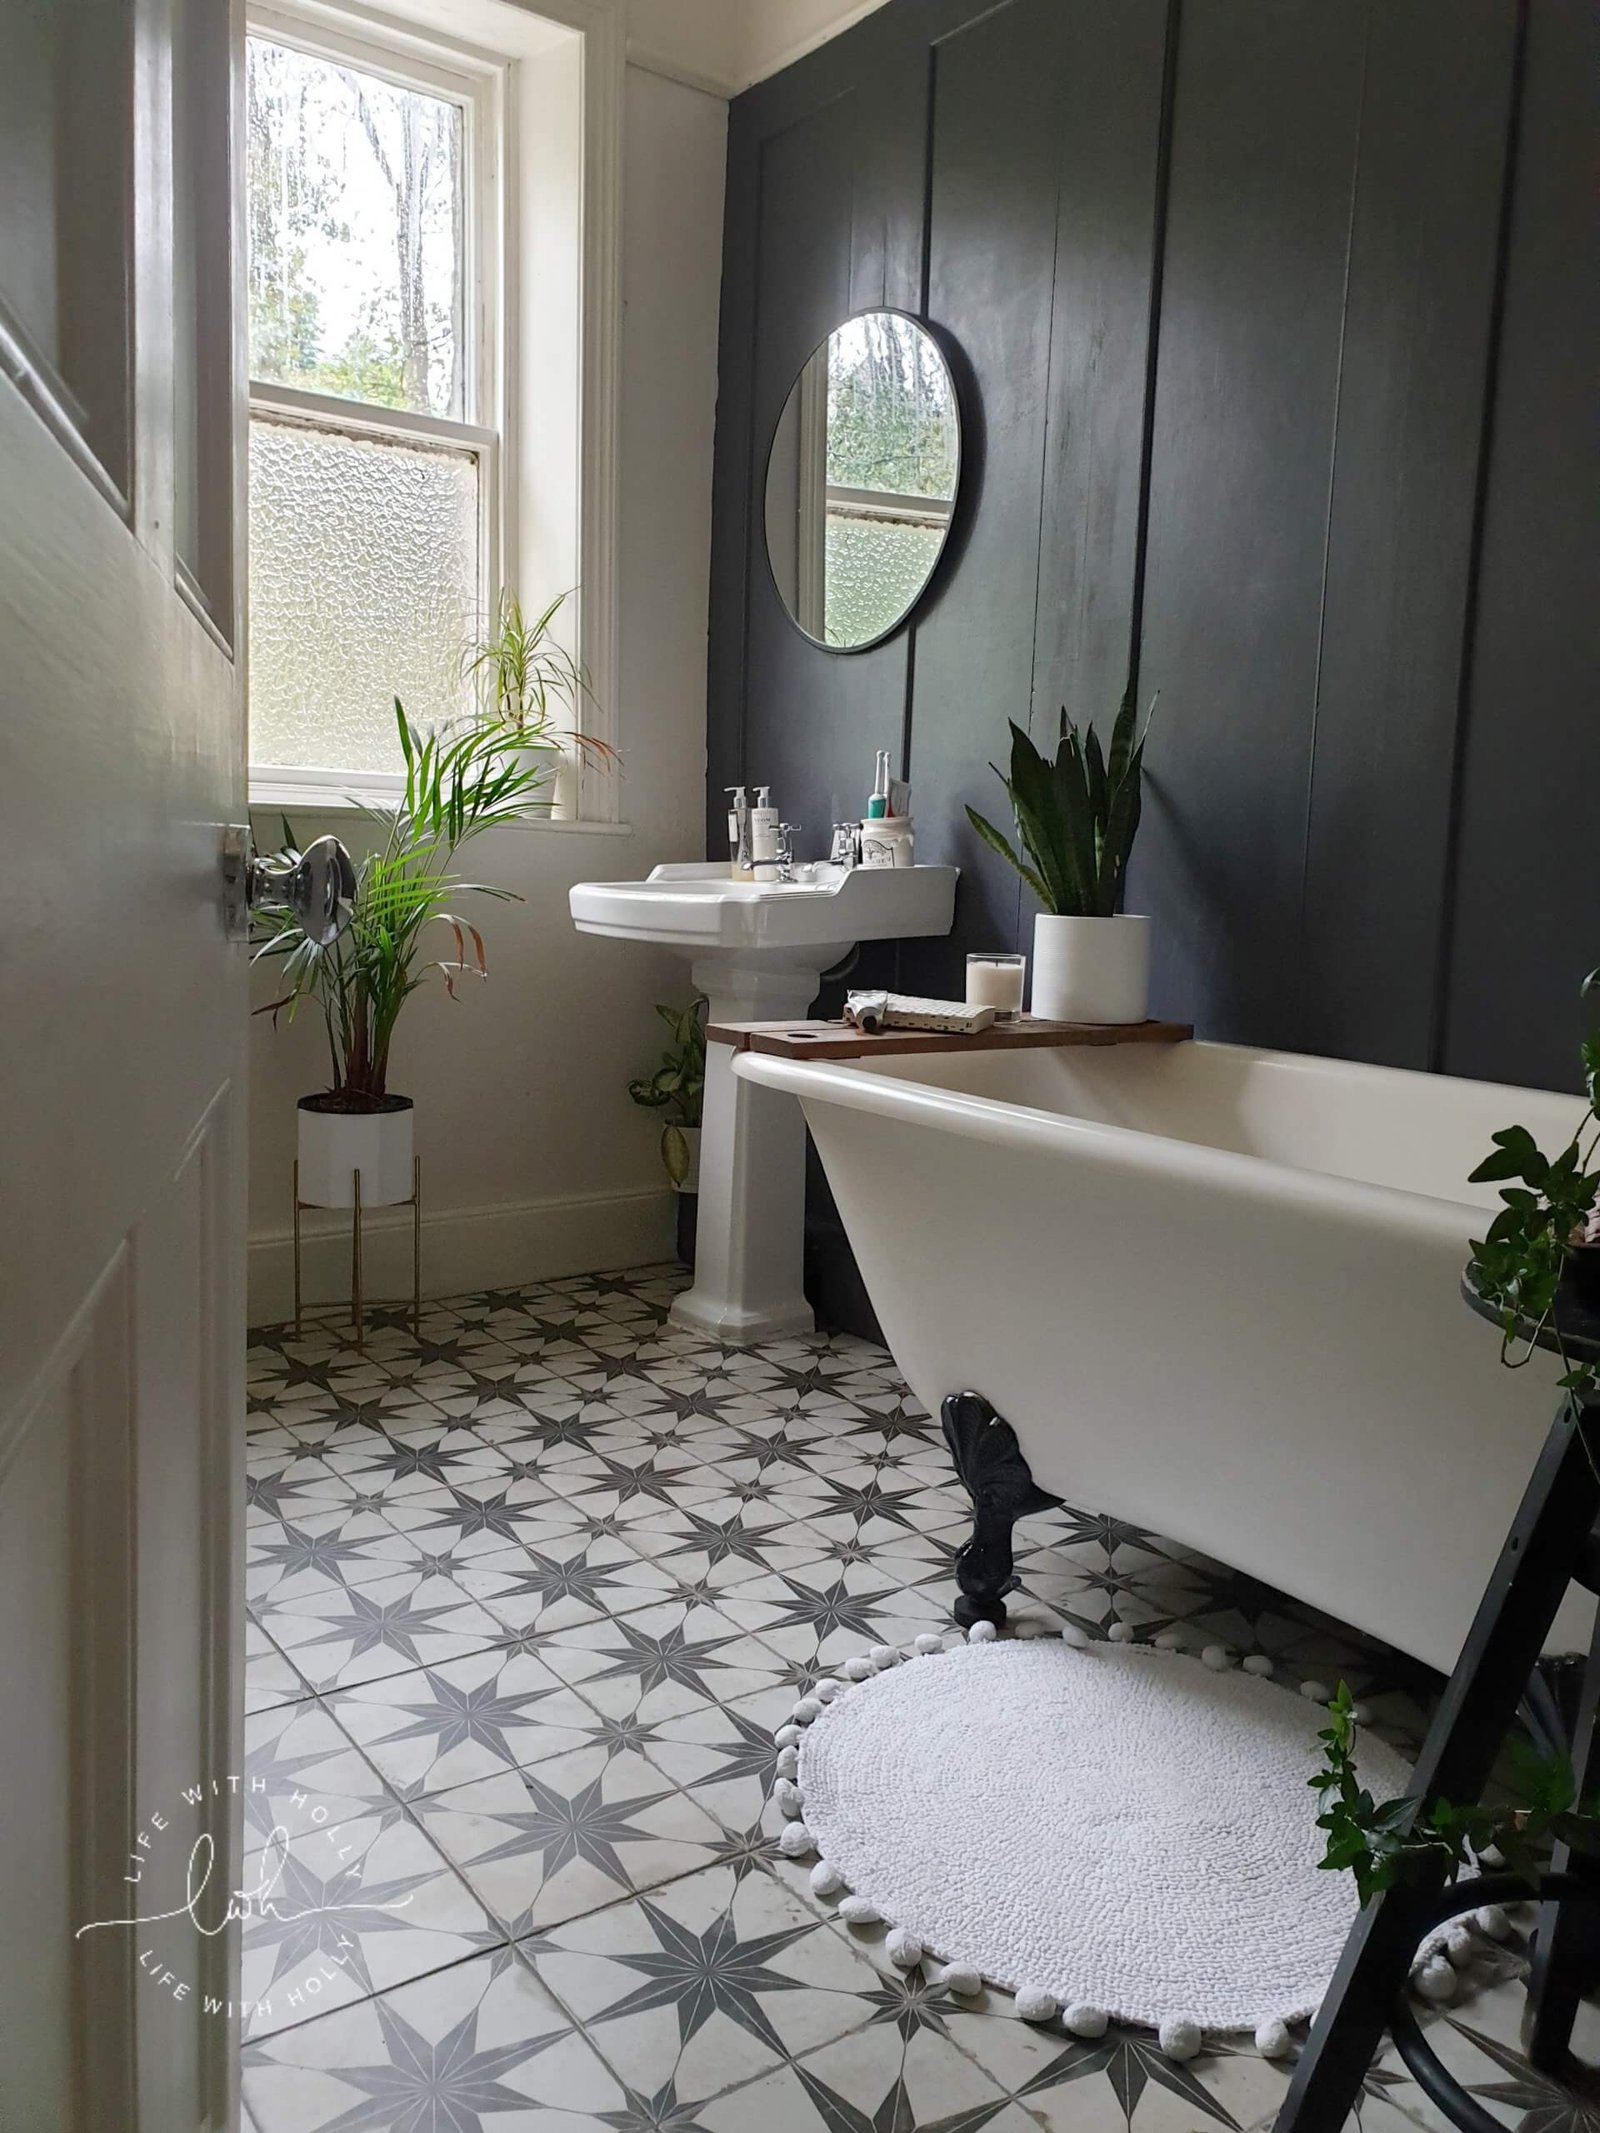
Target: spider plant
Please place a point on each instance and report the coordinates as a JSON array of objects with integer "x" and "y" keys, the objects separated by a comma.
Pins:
[
  {"x": 1076, "y": 817},
  {"x": 457, "y": 786},
  {"x": 521, "y": 675}
]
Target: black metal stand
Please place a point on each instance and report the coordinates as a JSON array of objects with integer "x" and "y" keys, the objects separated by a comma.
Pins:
[
  {"x": 997, "y": 1478},
  {"x": 1551, "y": 1544}
]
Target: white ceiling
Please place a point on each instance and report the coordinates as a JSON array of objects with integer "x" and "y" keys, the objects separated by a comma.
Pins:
[{"x": 727, "y": 44}]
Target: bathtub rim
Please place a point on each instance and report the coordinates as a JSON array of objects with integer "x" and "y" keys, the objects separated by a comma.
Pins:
[{"x": 881, "y": 1091}]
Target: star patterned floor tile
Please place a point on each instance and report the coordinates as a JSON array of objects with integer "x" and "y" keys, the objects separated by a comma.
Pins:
[
  {"x": 661, "y": 1661},
  {"x": 439, "y": 1727},
  {"x": 872, "y": 2082},
  {"x": 723, "y": 1754},
  {"x": 569, "y": 1835},
  {"x": 320, "y": 1551},
  {"x": 707, "y": 1983},
  {"x": 302, "y": 1773},
  {"x": 362, "y": 1632},
  {"x": 482, "y": 2048},
  {"x": 349, "y": 1910},
  {"x": 648, "y": 1545},
  {"x": 567, "y": 1578},
  {"x": 269, "y": 1679}
]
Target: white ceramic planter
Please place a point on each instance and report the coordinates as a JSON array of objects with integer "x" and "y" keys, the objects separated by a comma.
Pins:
[
  {"x": 334, "y": 1145},
  {"x": 558, "y": 795},
  {"x": 1091, "y": 969}
]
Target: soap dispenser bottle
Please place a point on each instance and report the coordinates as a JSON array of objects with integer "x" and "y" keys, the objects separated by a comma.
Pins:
[
  {"x": 764, "y": 832},
  {"x": 739, "y": 834}
]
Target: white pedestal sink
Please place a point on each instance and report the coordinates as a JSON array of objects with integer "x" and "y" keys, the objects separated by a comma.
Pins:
[{"x": 757, "y": 950}]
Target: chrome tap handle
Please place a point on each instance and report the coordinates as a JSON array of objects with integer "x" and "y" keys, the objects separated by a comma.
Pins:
[{"x": 785, "y": 852}]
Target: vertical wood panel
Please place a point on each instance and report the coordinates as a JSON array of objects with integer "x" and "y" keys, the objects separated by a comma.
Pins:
[
  {"x": 1107, "y": 126},
  {"x": 1423, "y": 248},
  {"x": 812, "y": 717},
  {"x": 991, "y": 239},
  {"x": 1525, "y": 909},
  {"x": 1253, "y": 295}
]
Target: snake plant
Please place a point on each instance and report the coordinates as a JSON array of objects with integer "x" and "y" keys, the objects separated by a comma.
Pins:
[{"x": 1076, "y": 817}]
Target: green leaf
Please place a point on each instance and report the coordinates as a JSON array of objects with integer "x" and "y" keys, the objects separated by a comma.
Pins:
[
  {"x": 1001, "y": 844},
  {"x": 675, "y": 1153}
]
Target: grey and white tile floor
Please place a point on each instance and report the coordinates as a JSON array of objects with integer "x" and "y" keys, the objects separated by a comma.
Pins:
[{"x": 527, "y": 1597}]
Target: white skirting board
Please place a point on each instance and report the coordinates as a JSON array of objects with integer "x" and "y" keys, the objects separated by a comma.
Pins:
[{"x": 463, "y": 1248}]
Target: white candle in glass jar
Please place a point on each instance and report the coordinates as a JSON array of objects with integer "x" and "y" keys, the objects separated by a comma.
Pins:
[{"x": 996, "y": 981}]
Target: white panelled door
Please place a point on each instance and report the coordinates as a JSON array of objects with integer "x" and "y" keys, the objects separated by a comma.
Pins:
[{"x": 122, "y": 1018}]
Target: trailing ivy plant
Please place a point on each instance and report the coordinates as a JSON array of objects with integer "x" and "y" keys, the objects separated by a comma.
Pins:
[
  {"x": 1548, "y": 1210},
  {"x": 1076, "y": 817},
  {"x": 1384, "y": 1842}
]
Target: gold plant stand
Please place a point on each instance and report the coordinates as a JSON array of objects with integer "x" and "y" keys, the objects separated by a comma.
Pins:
[{"x": 356, "y": 1300}]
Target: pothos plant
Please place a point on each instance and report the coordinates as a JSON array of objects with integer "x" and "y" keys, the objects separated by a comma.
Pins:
[
  {"x": 678, "y": 1084},
  {"x": 1548, "y": 1212}
]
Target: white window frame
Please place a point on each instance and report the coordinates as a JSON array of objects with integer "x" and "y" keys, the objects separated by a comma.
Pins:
[{"x": 542, "y": 93}]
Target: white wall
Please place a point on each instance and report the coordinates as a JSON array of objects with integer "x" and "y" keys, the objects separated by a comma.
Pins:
[{"x": 534, "y": 1161}]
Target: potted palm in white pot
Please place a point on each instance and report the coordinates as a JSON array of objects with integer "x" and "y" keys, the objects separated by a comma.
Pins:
[
  {"x": 406, "y": 890},
  {"x": 1076, "y": 820}
]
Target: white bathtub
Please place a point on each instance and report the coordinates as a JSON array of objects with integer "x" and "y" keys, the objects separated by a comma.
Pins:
[{"x": 1215, "y": 1292}]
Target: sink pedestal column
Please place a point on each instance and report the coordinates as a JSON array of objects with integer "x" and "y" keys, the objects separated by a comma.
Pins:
[{"x": 750, "y": 1232}]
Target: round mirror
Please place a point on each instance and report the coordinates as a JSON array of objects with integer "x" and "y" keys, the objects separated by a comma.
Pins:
[{"x": 861, "y": 482}]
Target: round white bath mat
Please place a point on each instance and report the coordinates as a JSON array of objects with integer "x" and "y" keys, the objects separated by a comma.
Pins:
[{"x": 1120, "y": 1826}]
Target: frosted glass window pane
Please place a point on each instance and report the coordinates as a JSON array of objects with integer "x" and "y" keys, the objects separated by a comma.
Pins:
[
  {"x": 356, "y": 205},
  {"x": 363, "y": 587},
  {"x": 875, "y": 569}
]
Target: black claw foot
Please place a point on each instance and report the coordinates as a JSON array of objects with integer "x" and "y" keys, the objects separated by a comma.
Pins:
[{"x": 996, "y": 1477}]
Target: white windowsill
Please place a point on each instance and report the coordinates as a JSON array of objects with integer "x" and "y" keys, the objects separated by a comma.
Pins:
[{"x": 314, "y": 794}]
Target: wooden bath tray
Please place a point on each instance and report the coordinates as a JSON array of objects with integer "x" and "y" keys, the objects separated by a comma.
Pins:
[{"x": 840, "y": 1040}]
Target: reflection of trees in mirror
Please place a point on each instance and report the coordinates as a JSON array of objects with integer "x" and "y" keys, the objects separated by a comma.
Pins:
[
  {"x": 355, "y": 192},
  {"x": 891, "y": 411}
]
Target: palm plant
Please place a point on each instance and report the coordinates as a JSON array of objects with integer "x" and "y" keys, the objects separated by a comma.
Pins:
[
  {"x": 1076, "y": 817},
  {"x": 456, "y": 788}
]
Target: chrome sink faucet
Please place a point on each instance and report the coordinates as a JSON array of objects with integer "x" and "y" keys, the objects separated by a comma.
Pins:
[{"x": 785, "y": 858}]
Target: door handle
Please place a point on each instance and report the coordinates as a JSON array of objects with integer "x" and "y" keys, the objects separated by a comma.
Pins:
[{"x": 317, "y": 889}]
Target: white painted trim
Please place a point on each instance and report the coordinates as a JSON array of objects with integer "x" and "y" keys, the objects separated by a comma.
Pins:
[
  {"x": 527, "y": 41},
  {"x": 342, "y": 792},
  {"x": 650, "y": 61},
  {"x": 464, "y": 1248}
]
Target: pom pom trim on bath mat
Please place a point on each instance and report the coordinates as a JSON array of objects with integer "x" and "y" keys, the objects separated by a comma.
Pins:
[{"x": 1109, "y": 1831}]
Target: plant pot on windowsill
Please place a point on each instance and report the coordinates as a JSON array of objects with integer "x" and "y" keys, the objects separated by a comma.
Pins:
[
  {"x": 340, "y": 1135},
  {"x": 1091, "y": 969}
]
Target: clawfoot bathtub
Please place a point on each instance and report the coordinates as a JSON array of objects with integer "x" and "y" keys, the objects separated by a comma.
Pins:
[{"x": 1214, "y": 1292}]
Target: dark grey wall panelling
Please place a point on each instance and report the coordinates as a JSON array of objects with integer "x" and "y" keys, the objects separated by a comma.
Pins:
[
  {"x": 1527, "y": 911},
  {"x": 1276, "y": 322}
]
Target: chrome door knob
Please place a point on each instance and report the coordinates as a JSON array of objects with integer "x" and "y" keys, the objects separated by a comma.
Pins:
[{"x": 316, "y": 887}]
